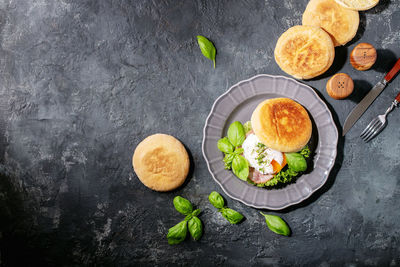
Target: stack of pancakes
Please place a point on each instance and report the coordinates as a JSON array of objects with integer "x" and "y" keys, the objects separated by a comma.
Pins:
[{"x": 306, "y": 51}]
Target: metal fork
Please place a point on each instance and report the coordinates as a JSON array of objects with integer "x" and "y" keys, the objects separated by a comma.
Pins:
[{"x": 377, "y": 124}]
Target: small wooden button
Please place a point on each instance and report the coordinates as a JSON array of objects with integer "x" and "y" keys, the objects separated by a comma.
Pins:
[
  {"x": 340, "y": 86},
  {"x": 363, "y": 56}
]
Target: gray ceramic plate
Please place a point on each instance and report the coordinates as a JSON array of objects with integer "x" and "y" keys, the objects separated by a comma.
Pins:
[{"x": 238, "y": 103}]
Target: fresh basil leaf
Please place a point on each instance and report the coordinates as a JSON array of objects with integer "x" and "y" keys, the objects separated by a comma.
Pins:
[
  {"x": 225, "y": 146},
  {"x": 188, "y": 217},
  {"x": 247, "y": 127},
  {"x": 177, "y": 233},
  {"x": 231, "y": 215},
  {"x": 216, "y": 200},
  {"x": 236, "y": 133},
  {"x": 195, "y": 228},
  {"x": 238, "y": 151},
  {"x": 240, "y": 167},
  {"x": 296, "y": 162},
  {"x": 196, "y": 212},
  {"x": 228, "y": 161},
  {"x": 207, "y": 48},
  {"x": 183, "y": 205},
  {"x": 276, "y": 224}
]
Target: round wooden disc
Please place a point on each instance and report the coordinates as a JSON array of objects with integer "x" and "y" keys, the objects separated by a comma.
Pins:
[
  {"x": 363, "y": 56},
  {"x": 340, "y": 86}
]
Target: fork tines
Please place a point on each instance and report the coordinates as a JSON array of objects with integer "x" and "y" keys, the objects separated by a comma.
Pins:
[{"x": 373, "y": 128}]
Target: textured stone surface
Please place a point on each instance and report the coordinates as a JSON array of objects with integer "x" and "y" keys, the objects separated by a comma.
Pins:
[{"x": 82, "y": 82}]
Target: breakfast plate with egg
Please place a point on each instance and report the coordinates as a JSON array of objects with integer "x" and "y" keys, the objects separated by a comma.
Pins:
[{"x": 270, "y": 142}]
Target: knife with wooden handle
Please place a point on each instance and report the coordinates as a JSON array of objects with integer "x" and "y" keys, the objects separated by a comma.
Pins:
[{"x": 361, "y": 107}]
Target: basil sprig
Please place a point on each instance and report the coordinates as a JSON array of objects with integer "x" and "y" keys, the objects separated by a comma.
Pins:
[
  {"x": 230, "y": 145},
  {"x": 276, "y": 224},
  {"x": 207, "y": 48},
  {"x": 177, "y": 233},
  {"x": 218, "y": 202}
]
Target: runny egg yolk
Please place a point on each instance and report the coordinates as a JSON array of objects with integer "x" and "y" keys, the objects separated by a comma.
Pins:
[
  {"x": 278, "y": 167},
  {"x": 263, "y": 159}
]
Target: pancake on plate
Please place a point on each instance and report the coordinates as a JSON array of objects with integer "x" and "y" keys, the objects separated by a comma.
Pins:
[
  {"x": 304, "y": 51},
  {"x": 341, "y": 23},
  {"x": 282, "y": 124},
  {"x": 161, "y": 162}
]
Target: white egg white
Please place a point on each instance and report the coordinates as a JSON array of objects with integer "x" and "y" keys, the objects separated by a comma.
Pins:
[{"x": 259, "y": 156}]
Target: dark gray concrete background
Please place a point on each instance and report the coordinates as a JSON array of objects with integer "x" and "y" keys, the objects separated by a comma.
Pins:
[{"x": 83, "y": 82}]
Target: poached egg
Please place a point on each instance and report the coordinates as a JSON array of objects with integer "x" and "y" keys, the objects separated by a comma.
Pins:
[{"x": 263, "y": 159}]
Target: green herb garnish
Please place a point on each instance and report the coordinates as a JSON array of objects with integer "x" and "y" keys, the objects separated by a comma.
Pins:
[
  {"x": 230, "y": 145},
  {"x": 296, "y": 162},
  {"x": 236, "y": 133},
  {"x": 207, "y": 48},
  {"x": 287, "y": 175},
  {"x": 306, "y": 152},
  {"x": 240, "y": 167},
  {"x": 183, "y": 205},
  {"x": 260, "y": 145},
  {"x": 218, "y": 202},
  {"x": 177, "y": 233},
  {"x": 195, "y": 228},
  {"x": 225, "y": 145},
  {"x": 231, "y": 215},
  {"x": 247, "y": 126}
]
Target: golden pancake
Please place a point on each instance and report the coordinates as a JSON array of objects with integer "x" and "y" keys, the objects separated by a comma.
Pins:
[
  {"x": 304, "y": 51},
  {"x": 161, "y": 162},
  {"x": 358, "y": 4},
  {"x": 341, "y": 23},
  {"x": 282, "y": 124}
]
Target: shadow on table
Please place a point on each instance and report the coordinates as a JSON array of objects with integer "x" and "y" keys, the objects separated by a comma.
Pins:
[
  {"x": 19, "y": 243},
  {"x": 337, "y": 65},
  {"x": 384, "y": 61},
  {"x": 336, "y": 167},
  {"x": 381, "y": 6},
  {"x": 361, "y": 89},
  {"x": 190, "y": 173}
]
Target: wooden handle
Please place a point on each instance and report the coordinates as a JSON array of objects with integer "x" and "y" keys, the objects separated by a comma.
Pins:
[
  {"x": 398, "y": 97},
  {"x": 392, "y": 73}
]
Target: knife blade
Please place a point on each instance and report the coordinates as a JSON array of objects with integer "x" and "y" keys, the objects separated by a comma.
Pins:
[
  {"x": 361, "y": 107},
  {"x": 356, "y": 113}
]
